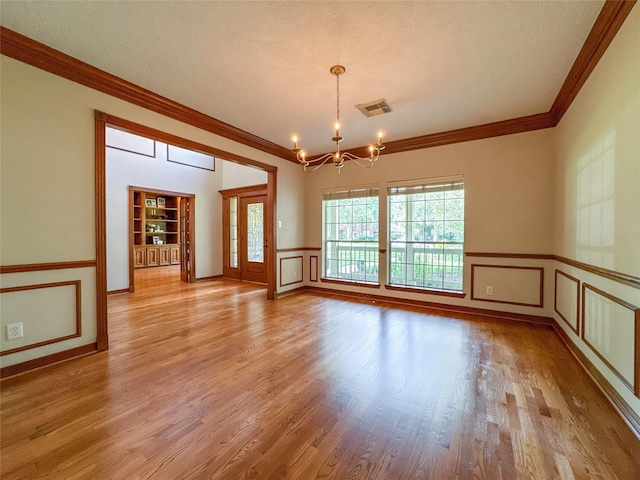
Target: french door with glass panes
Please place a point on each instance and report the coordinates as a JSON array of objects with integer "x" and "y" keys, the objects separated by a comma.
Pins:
[
  {"x": 251, "y": 247},
  {"x": 244, "y": 239}
]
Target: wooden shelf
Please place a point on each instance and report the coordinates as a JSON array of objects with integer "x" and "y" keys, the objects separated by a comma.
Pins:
[
  {"x": 163, "y": 208},
  {"x": 155, "y": 254}
]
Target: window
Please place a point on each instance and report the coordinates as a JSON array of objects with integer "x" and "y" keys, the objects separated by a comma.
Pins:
[
  {"x": 255, "y": 232},
  {"x": 351, "y": 234},
  {"x": 426, "y": 234},
  {"x": 233, "y": 232}
]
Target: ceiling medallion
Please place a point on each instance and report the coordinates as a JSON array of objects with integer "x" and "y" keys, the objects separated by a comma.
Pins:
[{"x": 338, "y": 157}]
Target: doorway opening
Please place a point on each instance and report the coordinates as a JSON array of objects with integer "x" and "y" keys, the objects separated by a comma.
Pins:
[
  {"x": 161, "y": 234},
  {"x": 102, "y": 120}
]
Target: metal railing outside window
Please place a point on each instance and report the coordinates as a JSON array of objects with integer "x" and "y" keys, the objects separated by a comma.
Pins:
[
  {"x": 426, "y": 234},
  {"x": 351, "y": 234}
]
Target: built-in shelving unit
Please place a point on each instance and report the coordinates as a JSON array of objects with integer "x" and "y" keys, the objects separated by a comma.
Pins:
[{"x": 156, "y": 229}]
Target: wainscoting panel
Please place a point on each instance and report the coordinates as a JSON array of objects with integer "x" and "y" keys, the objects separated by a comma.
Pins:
[
  {"x": 291, "y": 270},
  {"x": 514, "y": 285},
  {"x": 313, "y": 268},
  {"x": 48, "y": 312},
  {"x": 567, "y": 299},
  {"x": 609, "y": 328}
]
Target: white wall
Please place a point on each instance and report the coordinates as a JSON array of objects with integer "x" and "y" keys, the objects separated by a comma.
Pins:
[
  {"x": 235, "y": 175},
  {"x": 126, "y": 169},
  {"x": 47, "y": 187},
  {"x": 597, "y": 211}
]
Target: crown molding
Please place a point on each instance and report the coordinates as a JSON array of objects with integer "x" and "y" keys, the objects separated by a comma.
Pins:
[
  {"x": 605, "y": 28},
  {"x": 467, "y": 134},
  {"x": 31, "y": 52},
  {"x": 476, "y": 132}
]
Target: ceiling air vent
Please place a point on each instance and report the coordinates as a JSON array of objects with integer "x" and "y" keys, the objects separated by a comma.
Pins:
[{"x": 377, "y": 107}]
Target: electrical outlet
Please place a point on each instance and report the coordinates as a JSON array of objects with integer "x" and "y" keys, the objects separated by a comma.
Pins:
[
  {"x": 14, "y": 330},
  {"x": 489, "y": 290}
]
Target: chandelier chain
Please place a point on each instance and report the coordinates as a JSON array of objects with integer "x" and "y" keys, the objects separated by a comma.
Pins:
[{"x": 338, "y": 98}]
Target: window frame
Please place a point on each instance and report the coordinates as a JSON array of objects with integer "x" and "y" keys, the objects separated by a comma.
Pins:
[
  {"x": 455, "y": 264},
  {"x": 364, "y": 256}
]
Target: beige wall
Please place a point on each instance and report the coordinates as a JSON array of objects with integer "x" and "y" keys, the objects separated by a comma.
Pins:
[
  {"x": 598, "y": 161},
  {"x": 509, "y": 202},
  {"x": 47, "y": 185},
  {"x": 597, "y": 211}
]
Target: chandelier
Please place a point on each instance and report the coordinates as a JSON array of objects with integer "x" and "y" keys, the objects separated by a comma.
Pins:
[{"x": 338, "y": 157}]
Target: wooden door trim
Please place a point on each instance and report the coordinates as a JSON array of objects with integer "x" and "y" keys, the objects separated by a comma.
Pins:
[
  {"x": 250, "y": 191},
  {"x": 190, "y": 202},
  {"x": 102, "y": 331},
  {"x": 271, "y": 234}
]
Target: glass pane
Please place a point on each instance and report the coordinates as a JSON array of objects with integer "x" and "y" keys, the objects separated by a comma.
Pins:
[
  {"x": 454, "y": 209},
  {"x": 255, "y": 232},
  {"x": 233, "y": 232},
  {"x": 425, "y": 248},
  {"x": 351, "y": 239}
]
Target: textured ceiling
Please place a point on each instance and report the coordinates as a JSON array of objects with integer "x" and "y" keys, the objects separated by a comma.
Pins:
[{"x": 264, "y": 66}]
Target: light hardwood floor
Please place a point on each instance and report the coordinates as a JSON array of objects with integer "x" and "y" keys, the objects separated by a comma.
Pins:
[{"x": 211, "y": 380}]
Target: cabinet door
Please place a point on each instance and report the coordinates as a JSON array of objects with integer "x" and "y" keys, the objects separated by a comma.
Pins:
[
  {"x": 165, "y": 255},
  {"x": 139, "y": 257},
  {"x": 175, "y": 255},
  {"x": 153, "y": 259}
]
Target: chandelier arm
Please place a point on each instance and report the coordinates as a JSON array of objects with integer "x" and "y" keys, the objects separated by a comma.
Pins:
[
  {"x": 369, "y": 163},
  {"x": 355, "y": 158},
  {"x": 310, "y": 169},
  {"x": 321, "y": 159}
]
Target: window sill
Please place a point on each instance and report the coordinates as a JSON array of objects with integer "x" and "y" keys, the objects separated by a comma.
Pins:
[
  {"x": 428, "y": 291},
  {"x": 350, "y": 282}
]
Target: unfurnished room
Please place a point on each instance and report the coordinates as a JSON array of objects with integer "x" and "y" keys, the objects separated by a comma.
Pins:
[{"x": 320, "y": 240}]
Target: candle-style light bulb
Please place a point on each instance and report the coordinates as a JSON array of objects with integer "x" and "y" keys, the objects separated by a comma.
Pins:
[
  {"x": 295, "y": 141},
  {"x": 337, "y": 129},
  {"x": 302, "y": 154},
  {"x": 380, "y": 137},
  {"x": 371, "y": 150}
]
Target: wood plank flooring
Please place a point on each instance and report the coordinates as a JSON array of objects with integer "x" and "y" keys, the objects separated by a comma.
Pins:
[{"x": 211, "y": 380}]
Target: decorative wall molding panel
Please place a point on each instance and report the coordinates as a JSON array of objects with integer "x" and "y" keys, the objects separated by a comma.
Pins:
[
  {"x": 291, "y": 270},
  {"x": 509, "y": 284},
  {"x": 566, "y": 299},
  {"x": 610, "y": 328},
  {"x": 32, "y": 307}
]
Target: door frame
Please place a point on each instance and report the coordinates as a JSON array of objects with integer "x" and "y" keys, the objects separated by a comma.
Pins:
[
  {"x": 240, "y": 192},
  {"x": 191, "y": 198},
  {"x": 101, "y": 121}
]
